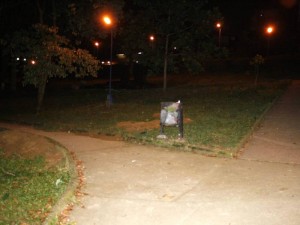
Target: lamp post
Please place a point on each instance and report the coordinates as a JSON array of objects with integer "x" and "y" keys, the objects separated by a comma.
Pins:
[
  {"x": 219, "y": 27},
  {"x": 269, "y": 31},
  {"x": 97, "y": 47},
  {"x": 151, "y": 39},
  {"x": 107, "y": 20}
]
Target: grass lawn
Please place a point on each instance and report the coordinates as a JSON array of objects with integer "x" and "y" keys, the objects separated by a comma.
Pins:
[
  {"x": 221, "y": 111},
  {"x": 28, "y": 190}
]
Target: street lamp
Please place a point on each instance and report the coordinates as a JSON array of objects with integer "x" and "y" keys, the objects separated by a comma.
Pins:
[
  {"x": 219, "y": 27},
  {"x": 269, "y": 31},
  {"x": 107, "y": 20},
  {"x": 97, "y": 44},
  {"x": 151, "y": 38}
]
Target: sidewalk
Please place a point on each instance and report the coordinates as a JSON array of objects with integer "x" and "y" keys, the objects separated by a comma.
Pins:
[
  {"x": 133, "y": 184},
  {"x": 278, "y": 138}
]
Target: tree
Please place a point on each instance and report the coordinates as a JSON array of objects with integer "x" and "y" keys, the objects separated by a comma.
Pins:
[
  {"x": 54, "y": 54},
  {"x": 183, "y": 31},
  {"x": 84, "y": 18},
  {"x": 50, "y": 56}
]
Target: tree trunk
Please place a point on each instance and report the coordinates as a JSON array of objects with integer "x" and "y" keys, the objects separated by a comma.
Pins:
[
  {"x": 41, "y": 93},
  {"x": 166, "y": 55},
  {"x": 40, "y": 11},
  {"x": 166, "y": 62}
]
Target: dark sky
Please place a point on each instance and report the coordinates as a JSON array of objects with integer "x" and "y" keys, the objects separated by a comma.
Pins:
[
  {"x": 241, "y": 16},
  {"x": 238, "y": 15}
]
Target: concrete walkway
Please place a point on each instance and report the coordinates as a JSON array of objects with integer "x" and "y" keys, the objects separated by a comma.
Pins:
[
  {"x": 133, "y": 185},
  {"x": 278, "y": 137}
]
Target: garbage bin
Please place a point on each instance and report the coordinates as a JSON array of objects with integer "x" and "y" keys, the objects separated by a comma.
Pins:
[{"x": 171, "y": 114}]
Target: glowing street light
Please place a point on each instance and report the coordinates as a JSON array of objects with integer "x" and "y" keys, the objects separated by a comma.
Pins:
[
  {"x": 108, "y": 21},
  {"x": 269, "y": 31},
  {"x": 97, "y": 44},
  {"x": 219, "y": 27},
  {"x": 151, "y": 38}
]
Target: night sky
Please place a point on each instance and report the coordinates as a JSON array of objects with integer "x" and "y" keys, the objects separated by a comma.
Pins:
[{"x": 239, "y": 16}]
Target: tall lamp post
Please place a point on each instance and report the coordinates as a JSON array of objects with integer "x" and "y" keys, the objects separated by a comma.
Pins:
[
  {"x": 219, "y": 27},
  {"x": 107, "y": 20},
  {"x": 269, "y": 31},
  {"x": 97, "y": 47},
  {"x": 151, "y": 39}
]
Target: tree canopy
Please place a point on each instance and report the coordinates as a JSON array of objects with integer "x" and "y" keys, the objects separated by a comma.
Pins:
[
  {"x": 50, "y": 55},
  {"x": 182, "y": 32},
  {"x": 184, "y": 28}
]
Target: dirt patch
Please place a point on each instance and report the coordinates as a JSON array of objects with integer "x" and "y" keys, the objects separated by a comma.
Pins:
[
  {"x": 133, "y": 126},
  {"x": 29, "y": 146}
]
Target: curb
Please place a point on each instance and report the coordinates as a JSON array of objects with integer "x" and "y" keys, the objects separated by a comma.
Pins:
[{"x": 68, "y": 196}]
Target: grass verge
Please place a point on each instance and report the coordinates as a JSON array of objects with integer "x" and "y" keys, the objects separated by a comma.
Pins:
[
  {"x": 28, "y": 189},
  {"x": 222, "y": 112}
]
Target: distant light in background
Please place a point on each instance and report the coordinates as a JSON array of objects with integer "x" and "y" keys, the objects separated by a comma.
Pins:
[
  {"x": 121, "y": 56},
  {"x": 33, "y": 62},
  {"x": 151, "y": 38},
  {"x": 19, "y": 59},
  {"x": 97, "y": 44}
]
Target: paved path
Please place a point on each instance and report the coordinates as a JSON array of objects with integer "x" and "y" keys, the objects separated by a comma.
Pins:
[
  {"x": 278, "y": 137},
  {"x": 133, "y": 184}
]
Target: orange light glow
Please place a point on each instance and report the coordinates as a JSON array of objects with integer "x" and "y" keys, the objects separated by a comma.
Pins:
[
  {"x": 152, "y": 38},
  {"x": 288, "y": 3},
  {"x": 269, "y": 29},
  {"x": 107, "y": 20},
  {"x": 97, "y": 44},
  {"x": 218, "y": 25},
  {"x": 33, "y": 62}
]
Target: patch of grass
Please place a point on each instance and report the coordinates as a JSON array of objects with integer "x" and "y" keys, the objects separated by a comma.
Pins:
[
  {"x": 222, "y": 113},
  {"x": 28, "y": 190}
]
